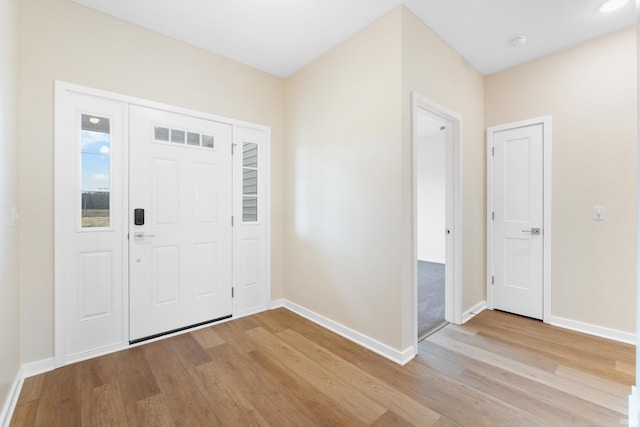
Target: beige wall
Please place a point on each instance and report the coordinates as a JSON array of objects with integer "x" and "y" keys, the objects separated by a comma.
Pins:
[
  {"x": 9, "y": 289},
  {"x": 590, "y": 90},
  {"x": 348, "y": 233},
  {"x": 61, "y": 40},
  {"x": 434, "y": 70},
  {"x": 343, "y": 168}
]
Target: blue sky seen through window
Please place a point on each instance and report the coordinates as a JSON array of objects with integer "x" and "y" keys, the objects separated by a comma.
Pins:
[{"x": 96, "y": 147}]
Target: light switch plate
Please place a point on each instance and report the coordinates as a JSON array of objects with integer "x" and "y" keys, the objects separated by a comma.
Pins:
[{"x": 599, "y": 213}]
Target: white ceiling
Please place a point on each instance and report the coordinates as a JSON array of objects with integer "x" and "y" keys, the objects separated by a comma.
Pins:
[
  {"x": 480, "y": 30},
  {"x": 282, "y": 36}
]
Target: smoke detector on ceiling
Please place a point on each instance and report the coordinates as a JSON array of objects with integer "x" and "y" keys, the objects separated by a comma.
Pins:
[{"x": 518, "y": 41}]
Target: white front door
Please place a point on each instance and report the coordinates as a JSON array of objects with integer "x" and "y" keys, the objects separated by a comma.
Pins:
[
  {"x": 180, "y": 233},
  {"x": 518, "y": 213}
]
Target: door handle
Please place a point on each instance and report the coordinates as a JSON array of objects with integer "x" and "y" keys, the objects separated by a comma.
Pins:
[
  {"x": 535, "y": 231},
  {"x": 139, "y": 235}
]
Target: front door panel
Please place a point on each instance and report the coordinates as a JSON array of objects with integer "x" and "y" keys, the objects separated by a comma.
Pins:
[{"x": 180, "y": 258}]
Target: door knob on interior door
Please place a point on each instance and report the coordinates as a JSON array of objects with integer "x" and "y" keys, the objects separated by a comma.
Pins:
[
  {"x": 139, "y": 235},
  {"x": 535, "y": 231}
]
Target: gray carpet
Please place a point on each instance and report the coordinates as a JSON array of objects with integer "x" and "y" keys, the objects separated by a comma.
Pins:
[{"x": 430, "y": 297}]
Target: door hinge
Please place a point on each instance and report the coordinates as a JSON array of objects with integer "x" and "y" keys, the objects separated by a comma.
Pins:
[
  {"x": 493, "y": 216},
  {"x": 232, "y": 292},
  {"x": 493, "y": 151},
  {"x": 492, "y": 280},
  {"x": 232, "y": 221},
  {"x": 233, "y": 148}
]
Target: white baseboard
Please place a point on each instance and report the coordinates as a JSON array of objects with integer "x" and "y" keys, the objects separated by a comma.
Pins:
[
  {"x": 587, "y": 328},
  {"x": 277, "y": 303},
  {"x": 634, "y": 406},
  {"x": 476, "y": 309},
  {"x": 38, "y": 367},
  {"x": 250, "y": 311},
  {"x": 102, "y": 351},
  {"x": 6, "y": 412},
  {"x": 400, "y": 357}
]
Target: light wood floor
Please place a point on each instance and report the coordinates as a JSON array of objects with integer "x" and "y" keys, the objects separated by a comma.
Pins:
[{"x": 278, "y": 369}]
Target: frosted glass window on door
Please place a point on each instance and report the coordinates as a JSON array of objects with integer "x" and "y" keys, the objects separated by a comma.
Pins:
[
  {"x": 161, "y": 133},
  {"x": 250, "y": 155},
  {"x": 95, "y": 171},
  {"x": 249, "y": 209},
  {"x": 249, "y": 182},
  {"x": 177, "y": 136},
  {"x": 193, "y": 138},
  {"x": 207, "y": 141}
]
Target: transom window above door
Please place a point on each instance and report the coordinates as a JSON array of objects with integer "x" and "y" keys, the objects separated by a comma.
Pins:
[{"x": 181, "y": 136}]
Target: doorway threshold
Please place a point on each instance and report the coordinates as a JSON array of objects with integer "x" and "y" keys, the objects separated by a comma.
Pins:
[{"x": 432, "y": 331}]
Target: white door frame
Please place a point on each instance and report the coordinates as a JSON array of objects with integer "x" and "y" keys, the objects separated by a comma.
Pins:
[
  {"x": 63, "y": 90},
  {"x": 546, "y": 189},
  {"x": 453, "y": 216}
]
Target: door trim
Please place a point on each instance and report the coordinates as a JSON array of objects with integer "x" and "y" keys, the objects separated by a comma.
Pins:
[
  {"x": 453, "y": 215},
  {"x": 546, "y": 122},
  {"x": 62, "y": 92}
]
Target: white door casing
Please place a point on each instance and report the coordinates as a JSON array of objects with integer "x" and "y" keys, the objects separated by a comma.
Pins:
[
  {"x": 181, "y": 257},
  {"x": 92, "y": 265},
  {"x": 519, "y": 217}
]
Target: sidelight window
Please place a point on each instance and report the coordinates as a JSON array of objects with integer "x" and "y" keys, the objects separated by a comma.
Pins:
[
  {"x": 96, "y": 171},
  {"x": 249, "y": 182}
]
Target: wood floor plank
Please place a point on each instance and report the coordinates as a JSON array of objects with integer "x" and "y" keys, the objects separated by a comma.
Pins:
[
  {"x": 340, "y": 391},
  {"x": 31, "y": 388},
  {"x": 603, "y": 398},
  {"x": 597, "y": 363},
  {"x": 277, "y": 368},
  {"x": 266, "y": 397},
  {"x": 545, "y": 396},
  {"x": 186, "y": 403},
  {"x": 150, "y": 411},
  {"x": 25, "y": 413},
  {"x": 134, "y": 375},
  {"x": 230, "y": 406},
  {"x": 412, "y": 411},
  {"x": 549, "y": 412},
  {"x": 189, "y": 351},
  {"x": 390, "y": 419},
  {"x": 591, "y": 380},
  {"x": 587, "y": 344},
  {"x": 207, "y": 338},
  {"x": 518, "y": 353},
  {"x": 103, "y": 406},
  {"x": 626, "y": 368},
  {"x": 233, "y": 334},
  {"x": 301, "y": 392}
]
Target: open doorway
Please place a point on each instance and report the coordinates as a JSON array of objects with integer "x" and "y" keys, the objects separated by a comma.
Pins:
[
  {"x": 437, "y": 223},
  {"x": 431, "y": 221}
]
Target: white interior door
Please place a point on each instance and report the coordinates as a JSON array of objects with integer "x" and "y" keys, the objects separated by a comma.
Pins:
[
  {"x": 518, "y": 213},
  {"x": 181, "y": 252}
]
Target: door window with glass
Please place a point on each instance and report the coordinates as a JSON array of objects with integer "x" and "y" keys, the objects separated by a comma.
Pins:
[{"x": 95, "y": 170}]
